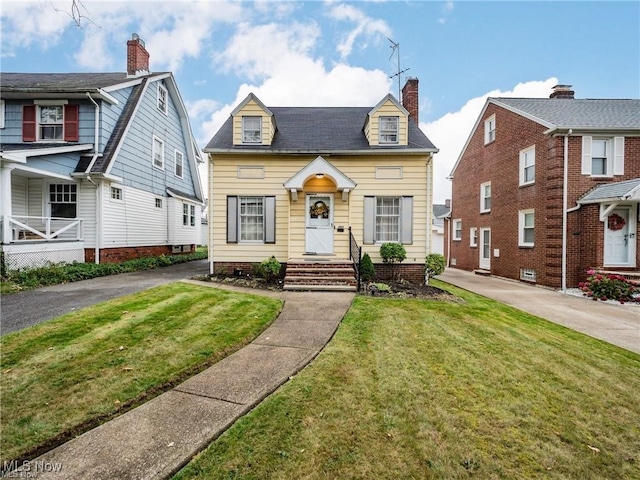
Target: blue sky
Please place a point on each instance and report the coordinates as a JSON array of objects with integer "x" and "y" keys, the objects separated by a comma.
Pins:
[{"x": 338, "y": 53}]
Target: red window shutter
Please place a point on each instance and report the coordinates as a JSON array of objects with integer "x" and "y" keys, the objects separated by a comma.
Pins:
[
  {"x": 71, "y": 130},
  {"x": 29, "y": 123}
]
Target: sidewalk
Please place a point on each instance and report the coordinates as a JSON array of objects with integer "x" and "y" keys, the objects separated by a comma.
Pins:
[
  {"x": 615, "y": 324},
  {"x": 158, "y": 438}
]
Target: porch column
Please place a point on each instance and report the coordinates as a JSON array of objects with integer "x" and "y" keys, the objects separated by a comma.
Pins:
[{"x": 5, "y": 202}]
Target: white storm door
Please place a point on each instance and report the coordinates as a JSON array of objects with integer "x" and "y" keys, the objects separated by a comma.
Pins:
[
  {"x": 319, "y": 223},
  {"x": 485, "y": 248},
  {"x": 619, "y": 237}
]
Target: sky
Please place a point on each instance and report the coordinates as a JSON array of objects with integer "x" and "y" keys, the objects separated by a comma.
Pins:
[{"x": 340, "y": 53}]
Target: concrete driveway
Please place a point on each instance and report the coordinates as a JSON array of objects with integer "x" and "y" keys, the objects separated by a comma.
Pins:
[
  {"x": 613, "y": 323},
  {"x": 24, "y": 309}
]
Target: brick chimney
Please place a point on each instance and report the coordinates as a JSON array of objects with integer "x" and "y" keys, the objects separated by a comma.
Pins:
[
  {"x": 562, "y": 91},
  {"x": 137, "y": 57},
  {"x": 410, "y": 98},
  {"x": 447, "y": 203}
]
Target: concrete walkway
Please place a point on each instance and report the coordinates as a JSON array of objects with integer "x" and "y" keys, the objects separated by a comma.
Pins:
[
  {"x": 158, "y": 438},
  {"x": 615, "y": 324}
]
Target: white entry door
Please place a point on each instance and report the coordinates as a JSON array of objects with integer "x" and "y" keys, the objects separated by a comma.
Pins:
[
  {"x": 485, "y": 248},
  {"x": 619, "y": 237},
  {"x": 319, "y": 223}
]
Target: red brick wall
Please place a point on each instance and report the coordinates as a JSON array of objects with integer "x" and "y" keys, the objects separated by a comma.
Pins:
[
  {"x": 121, "y": 254},
  {"x": 410, "y": 272},
  {"x": 498, "y": 162}
]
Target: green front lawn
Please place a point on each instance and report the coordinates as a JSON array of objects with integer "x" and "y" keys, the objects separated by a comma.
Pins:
[
  {"x": 428, "y": 389},
  {"x": 63, "y": 376}
]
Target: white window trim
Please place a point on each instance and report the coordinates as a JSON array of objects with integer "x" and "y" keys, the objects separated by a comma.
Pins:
[
  {"x": 388, "y": 132},
  {"x": 156, "y": 203},
  {"x": 244, "y": 140},
  {"x": 523, "y": 157},
  {"x": 483, "y": 197},
  {"x": 113, "y": 199},
  {"x": 162, "y": 90},
  {"x": 521, "y": 227},
  {"x": 48, "y": 201},
  {"x": 489, "y": 133},
  {"x": 615, "y": 156},
  {"x": 454, "y": 230},
  {"x": 153, "y": 152},
  {"x": 177, "y": 153},
  {"x": 375, "y": 223},
  {"x": 473, "y": 237},
  {"x": 48, "y": 103},
  {"x": 240, "y": 215},
  {"x": 1, "y": 113},
  {"x": 188, "y": 215}
]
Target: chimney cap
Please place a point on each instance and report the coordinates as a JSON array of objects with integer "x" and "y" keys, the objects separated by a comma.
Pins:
[
  {"x": 562, "y": 87},
  {"x": 136, "y": 38}
]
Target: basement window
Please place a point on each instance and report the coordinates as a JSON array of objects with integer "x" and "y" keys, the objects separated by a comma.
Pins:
[{"x": 528, "y": 274}]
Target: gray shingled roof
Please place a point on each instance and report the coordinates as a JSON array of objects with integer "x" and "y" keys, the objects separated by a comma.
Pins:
[
  {"x": 439, "y": 209},
  {"x": 579, "y": 113},
  {"x": 59, "y": 82},
  {"x": 610, "y": 191},
  {"x": 317, "y": 129}
]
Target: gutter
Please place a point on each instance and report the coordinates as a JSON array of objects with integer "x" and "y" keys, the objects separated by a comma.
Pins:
[
  {"x": 245, "y": 151},
  {"x": 96, "y": 258},
  {"x": 96, "y": 122}
]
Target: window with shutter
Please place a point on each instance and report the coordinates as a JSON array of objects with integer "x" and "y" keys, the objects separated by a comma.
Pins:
[{"x": 29, "y": 123}]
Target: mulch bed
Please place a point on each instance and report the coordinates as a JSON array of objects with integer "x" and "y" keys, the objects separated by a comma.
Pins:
[{"x": 401, "y": 289}]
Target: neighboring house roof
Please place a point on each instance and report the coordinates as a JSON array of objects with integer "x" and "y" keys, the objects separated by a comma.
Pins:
[
  {"x": 618, "y": 191},
  {"x": 317, "y": 130},
  {"x": 564, "y": 114},
  {"x": 440, "y": 210}
]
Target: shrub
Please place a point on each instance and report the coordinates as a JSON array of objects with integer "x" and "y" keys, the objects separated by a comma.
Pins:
[
  {"x": 392, "y": 252},
  {"x": 433, "y": 265},
  {"x": 367, "y": 270},
  {"x": 600, "y": 286},
  {"x": 269, "y": 269}
]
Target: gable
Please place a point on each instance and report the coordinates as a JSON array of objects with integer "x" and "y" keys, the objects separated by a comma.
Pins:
[
  {"x": 252, "y": 107},
  {"x": 388, "y": 107}
]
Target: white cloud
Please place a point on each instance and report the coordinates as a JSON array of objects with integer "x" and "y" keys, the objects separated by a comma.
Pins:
[
  {"x": 367, "y": 28},
  {"x": 447, "y": 9},
  {"x": 450, "y": 132}
]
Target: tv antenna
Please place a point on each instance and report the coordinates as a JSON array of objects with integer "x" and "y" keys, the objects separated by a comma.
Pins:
[{"x": 395, "y": 49}]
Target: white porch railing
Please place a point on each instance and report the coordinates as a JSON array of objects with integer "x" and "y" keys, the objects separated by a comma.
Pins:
[{"x": 17, "y": 229}]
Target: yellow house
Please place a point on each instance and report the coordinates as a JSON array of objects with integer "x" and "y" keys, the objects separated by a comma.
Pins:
[{"x": 317, "y": 187}]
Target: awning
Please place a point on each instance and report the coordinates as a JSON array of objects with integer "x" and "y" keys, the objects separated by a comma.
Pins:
[{"x": 323, "y": 168}]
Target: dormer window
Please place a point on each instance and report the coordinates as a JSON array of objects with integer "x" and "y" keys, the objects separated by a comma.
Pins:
[
  {"x": 389, "y": 130},
  {"x": 50, "y": 121},
  {"x": 162, "y": 99},
  {"x": 251, "y": 129}
]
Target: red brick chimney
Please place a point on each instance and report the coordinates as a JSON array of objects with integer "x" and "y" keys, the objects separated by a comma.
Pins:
[
  {"x": 410, "y": 98},
  {"x": 137, "y": 57},
  {"x": 562, "y": 91}
]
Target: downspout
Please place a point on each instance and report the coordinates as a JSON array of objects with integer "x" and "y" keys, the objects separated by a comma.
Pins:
[
  {"x": 96, "y": 146},
  {"x": 565, "y": 181},
  {"x": 98, "y": 218},
  {"x": 210, "y": 214}
]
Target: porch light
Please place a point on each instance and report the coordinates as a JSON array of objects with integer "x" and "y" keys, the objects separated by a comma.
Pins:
[{"x": 319, "y": 175}]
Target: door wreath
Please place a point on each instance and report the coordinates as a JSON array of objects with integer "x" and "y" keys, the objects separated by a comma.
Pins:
[
  {"x": 319, "y": 210},
  {"x": 615, "y": 222}
]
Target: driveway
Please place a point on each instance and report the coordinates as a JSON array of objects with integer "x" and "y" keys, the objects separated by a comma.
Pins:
[
  {"x": 24, "y": 309},
  {"x": 613, "y": 323}
]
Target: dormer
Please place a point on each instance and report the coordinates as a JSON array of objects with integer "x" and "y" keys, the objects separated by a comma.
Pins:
[
  {"x": 387, "y": 124},
  {"x": 253, "y": 123}
]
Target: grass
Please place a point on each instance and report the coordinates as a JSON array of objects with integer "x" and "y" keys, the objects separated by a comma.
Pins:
[
  {"x": 62, "y": 376},
  {"x": 428, "y": 389}
]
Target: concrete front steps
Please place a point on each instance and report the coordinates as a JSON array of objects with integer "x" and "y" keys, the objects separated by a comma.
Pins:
[{"x": 320, "y": 274}]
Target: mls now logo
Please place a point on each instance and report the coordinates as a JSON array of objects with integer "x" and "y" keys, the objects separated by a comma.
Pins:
[{"x": 28, "y": 469}]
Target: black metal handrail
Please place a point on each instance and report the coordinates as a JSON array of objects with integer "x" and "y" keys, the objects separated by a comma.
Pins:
[{"x": 355, "y": 252}]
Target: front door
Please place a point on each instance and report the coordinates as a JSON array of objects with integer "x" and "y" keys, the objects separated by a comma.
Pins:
[
  {"x": 485, "y": 248},
  {"x": 319, "y": 223},
  {"x": 619, "y": 237}
]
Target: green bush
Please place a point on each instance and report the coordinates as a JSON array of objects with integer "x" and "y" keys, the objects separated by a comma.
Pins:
[
  {"x": 367, "y": 270},
  {"x": 269, "y": 269},
  {"x": 392, "y": 252},
  {"x": 56, "y": 273},
  {"x": 433, "y": 265}
]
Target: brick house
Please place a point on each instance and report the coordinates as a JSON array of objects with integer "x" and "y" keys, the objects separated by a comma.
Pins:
[{"x": 547, "y": 188}]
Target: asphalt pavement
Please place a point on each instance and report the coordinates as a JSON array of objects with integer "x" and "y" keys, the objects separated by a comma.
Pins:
[{"x": 25, "y": 309}]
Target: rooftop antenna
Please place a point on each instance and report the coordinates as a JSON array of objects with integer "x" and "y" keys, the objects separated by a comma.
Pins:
[{"x": 396, "y": 46}]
